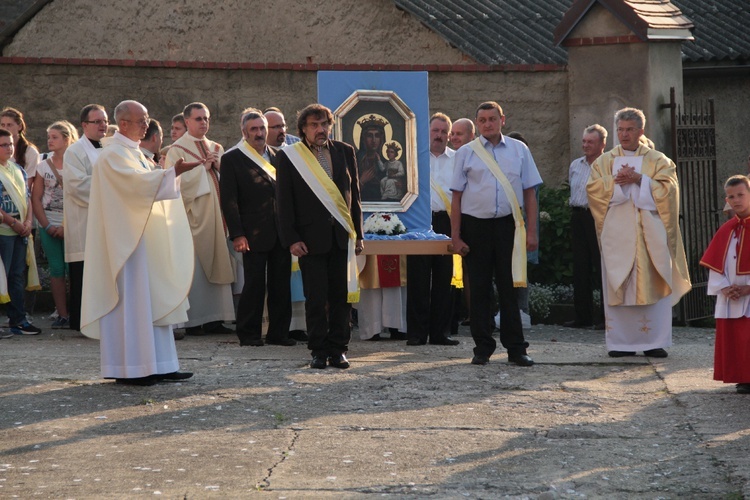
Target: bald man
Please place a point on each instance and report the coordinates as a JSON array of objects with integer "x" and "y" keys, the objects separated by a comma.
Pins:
[
  {"x": 462, "y": 132},
  {"x": 131, "y": 297}
]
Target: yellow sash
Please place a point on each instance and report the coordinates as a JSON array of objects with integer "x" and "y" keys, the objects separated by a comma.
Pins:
[
  {"x": 330, "y": 196},
  {"x": 16, "y": 189},
  {"x": 519, "y": 240},
  {"x": 251, "y": 153},
  {"x": 458, "y": 271}
]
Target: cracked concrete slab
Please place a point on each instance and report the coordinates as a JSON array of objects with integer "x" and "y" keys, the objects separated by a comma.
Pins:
[{"x": 402, "y": 422}]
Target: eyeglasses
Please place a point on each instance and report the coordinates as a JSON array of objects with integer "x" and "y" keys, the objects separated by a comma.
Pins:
[
  {"x": 8, "y": 145},
  {"x": 142, "y": 123},
  {"x": 97, "y": 122},
  {"x": 201, "y": 119}
]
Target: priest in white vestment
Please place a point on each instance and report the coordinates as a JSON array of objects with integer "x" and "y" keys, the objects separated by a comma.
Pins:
[
  {"x": 211, "y": 301},
  {"x": 634, "y": 198},
  {"x": 139, "y": 258}
]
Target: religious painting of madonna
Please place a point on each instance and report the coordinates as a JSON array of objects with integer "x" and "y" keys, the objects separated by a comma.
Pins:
[{"x": 382, "y": 129}]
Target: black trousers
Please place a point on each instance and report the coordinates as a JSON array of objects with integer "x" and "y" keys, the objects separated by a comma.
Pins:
[
  {"x": 263, "y": 271},
  {"x": 429, "y": 301},
  {"x": 75, "y": 270},
  {"x": 587, "y": 266},
  {"x": 326, "y": 310},
  {"x": 490, "y": 254}
]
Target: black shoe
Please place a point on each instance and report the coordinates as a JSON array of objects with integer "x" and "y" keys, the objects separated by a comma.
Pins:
[
  {"x": 480, "y": 360},
  {"x": 298, "y": 335},
  {"x": 656, "y": 353},
  {"x": 338, "y": 361},
  {"x": 194, "y": 330},
  {"x": 173, "y": 376},
  {"x": 466, "y": 322},
  {"x": 375, "y": 338},
  {"x": 620, "y": 354},
  {"x": 252, "y": 342},
  {"x": 318, "y": 362},
  {"x": 178, "y": 335},
  {"x": 576, "y": 324},
  {"x": 743, "y": 388},
  {"x": 444, "y": 341},
  {"x": 396, "y": 335},
  {"x": 285, "y": 342},
  {"x": 416, "y": 342},
  {"x": 216, "y": 327},
  {"x": 150, "y": 380},
  {"x": 521, "y": 360}
]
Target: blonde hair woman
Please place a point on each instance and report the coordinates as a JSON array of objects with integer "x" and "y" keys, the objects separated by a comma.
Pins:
[{"x": 47, "y": 202}]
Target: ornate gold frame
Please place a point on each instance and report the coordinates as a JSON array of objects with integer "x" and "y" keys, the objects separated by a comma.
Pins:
[{"x": 388, "y": 104}]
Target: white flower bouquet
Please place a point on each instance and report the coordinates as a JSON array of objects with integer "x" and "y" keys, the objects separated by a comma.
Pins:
[{"x": 384, "y": 224}]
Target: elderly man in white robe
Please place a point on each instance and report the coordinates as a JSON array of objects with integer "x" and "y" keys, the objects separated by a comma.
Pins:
[
  {"x": 634, "y": 198},
  {"x": 139, "y": 258}
]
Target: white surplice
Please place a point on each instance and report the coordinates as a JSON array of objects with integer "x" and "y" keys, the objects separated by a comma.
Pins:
[{"x": 138, "y": 263}]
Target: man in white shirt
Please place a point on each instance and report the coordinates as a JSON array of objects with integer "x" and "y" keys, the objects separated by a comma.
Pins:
[
  {"x": 428, "y": 277},
  {"x": 587, "y": 261}
]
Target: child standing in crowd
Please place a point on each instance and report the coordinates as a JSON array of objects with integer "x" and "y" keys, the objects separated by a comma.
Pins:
[
  {"x": 16, "y": 244},
  {"x": 728, "y": 261},
  {"x": 47, "y": 201}
]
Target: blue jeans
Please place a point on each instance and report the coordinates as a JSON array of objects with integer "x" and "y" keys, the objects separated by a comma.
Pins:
[{"x": 13, "y": 253}]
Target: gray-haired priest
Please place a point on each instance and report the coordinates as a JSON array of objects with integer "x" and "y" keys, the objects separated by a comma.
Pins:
[{"x": 139, "y": 258}]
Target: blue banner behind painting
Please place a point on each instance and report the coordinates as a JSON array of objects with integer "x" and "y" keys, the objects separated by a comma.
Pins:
[{"x": 335, "y": 87}]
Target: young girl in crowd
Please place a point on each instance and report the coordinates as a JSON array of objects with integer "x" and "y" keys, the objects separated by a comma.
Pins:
[
  {"x": 47, "y": 201},
  {"x": 26, "y": 154}
]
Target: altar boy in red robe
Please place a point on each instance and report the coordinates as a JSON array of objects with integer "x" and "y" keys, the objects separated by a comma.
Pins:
[{"x": 728, "y": 260}]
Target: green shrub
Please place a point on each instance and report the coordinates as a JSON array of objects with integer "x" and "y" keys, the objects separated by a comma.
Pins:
[{"x": 555, "y": 255}]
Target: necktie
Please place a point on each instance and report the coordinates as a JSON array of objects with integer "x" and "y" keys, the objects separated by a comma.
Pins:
[{"x": 324, "y": 161}]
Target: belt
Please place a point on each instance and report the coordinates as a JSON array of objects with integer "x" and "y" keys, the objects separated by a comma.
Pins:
[
  {"x": 439, "y": 212},
  {"x": 580, "y": 209}
]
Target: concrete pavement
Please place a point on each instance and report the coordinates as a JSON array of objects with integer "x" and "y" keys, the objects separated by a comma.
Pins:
[{"x": 402, "y": 422}]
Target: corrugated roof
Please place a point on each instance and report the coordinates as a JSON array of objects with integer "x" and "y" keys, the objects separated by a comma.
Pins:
[
  {"x": 722, "y": 30},
  {"x": 521, "y": 31},
  {"x": 495, "y": 31}
]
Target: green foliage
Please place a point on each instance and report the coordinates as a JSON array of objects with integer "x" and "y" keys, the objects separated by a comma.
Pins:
[{"x": 555, "y": 255}]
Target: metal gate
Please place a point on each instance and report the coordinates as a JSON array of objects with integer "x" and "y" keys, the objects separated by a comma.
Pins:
[{"x": 694, "y": 153}]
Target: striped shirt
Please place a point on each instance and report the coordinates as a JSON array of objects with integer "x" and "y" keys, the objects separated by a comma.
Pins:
[{"x": 578, "y": 177}]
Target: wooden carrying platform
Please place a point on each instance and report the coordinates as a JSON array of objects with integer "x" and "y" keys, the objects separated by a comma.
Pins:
[{"x": 407, "y": 247}]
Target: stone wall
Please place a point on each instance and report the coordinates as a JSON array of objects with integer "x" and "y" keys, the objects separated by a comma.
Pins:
[
  {"x": 287, "y": 31},
  {"x": 535, "y": 103}
]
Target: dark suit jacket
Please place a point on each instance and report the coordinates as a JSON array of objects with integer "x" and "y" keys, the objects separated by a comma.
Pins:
[
  {"x": 248, "y": 200},
  {"x": 302, "y": 217}
]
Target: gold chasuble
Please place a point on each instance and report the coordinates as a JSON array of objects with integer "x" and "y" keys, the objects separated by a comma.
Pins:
[
  {"x": 201, "y": 197},
  {"x": 123, "y": 214},
  {"x": 642, "y": 249}
]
